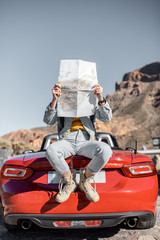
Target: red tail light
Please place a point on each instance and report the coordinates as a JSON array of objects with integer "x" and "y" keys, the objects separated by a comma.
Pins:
[
  {"x": 16, "y": 173},
  {"x": 139, "y": 170},
  {"x": 62, "y": 223},
  {"x": 92, "y": 223}
]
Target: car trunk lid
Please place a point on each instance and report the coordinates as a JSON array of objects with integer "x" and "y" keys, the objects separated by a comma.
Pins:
[{"x": 38, "y": 161}]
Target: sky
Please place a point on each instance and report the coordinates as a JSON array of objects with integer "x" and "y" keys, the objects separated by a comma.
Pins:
[{"x": 119, "y": 35}]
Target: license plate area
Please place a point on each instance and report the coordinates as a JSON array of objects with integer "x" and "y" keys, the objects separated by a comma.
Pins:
[
  {"x": 54, "y": 177},
  {"x": 77, "y": 223}
]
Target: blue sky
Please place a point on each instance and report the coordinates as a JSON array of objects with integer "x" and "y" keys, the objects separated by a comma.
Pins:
[{"x": 119, "y": 35}]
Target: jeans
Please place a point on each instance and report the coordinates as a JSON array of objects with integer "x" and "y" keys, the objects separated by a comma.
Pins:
[{"x": 78, "y": 143}]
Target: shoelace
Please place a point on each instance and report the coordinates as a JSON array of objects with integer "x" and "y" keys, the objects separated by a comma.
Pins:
[
  {"x": 66, "y": 187},
  {"x": 89, "y": 184},
  {"x": 60, "y": 185}
]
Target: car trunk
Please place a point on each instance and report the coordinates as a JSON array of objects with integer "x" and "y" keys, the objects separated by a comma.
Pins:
[
  {"x": 38, "y": 161},
  {"x": 117, "y": 192}
]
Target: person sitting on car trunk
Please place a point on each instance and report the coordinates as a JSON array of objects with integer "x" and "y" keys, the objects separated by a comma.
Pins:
[{"x": 77, "y": 137}]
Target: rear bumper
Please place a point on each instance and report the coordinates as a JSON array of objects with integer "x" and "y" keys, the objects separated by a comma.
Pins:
[{"x": 47, "y": 220}]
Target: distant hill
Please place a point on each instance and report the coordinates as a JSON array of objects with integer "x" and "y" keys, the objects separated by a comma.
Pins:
[
  {"x": 136, "y": 113},
  {"x": 23, "y": 139}
]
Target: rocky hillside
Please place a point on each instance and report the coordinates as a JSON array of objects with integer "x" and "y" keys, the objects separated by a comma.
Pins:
[
  {"x": 136, "y": 113},
  {"x": 136, "y": 106},
  {"x": 22, "y": 139}
]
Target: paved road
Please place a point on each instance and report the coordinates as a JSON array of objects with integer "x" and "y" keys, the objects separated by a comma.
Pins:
[{"x": 115, "y": 233}]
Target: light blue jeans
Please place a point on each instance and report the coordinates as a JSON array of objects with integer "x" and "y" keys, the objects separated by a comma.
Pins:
[{"x": 77, "y": 143}]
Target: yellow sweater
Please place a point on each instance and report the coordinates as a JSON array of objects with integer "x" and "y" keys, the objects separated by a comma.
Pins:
[{"x": 76, "y": 125}]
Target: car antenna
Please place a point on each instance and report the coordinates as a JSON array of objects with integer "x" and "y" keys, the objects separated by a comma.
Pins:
[{"x": 136, "y": 143}]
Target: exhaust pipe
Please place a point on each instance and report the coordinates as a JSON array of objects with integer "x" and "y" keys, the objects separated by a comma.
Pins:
[
  {"x": 26, "y": 224},
  {"x": 132, "y": 222}
]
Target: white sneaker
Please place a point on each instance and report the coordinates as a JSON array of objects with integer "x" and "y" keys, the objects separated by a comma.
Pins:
[
  {"x": 69, "y": 187},
  {"x": 87, "y": 188}
]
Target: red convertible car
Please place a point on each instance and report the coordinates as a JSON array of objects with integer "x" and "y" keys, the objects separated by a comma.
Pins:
[{"x": 127, "y": 186}]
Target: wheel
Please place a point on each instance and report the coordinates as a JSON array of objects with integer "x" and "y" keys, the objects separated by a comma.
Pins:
[{"x": 148, "y": 224}]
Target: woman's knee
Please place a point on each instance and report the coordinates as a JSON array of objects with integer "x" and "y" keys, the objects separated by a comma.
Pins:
[
  {"x": 53, "y": 151},
  {"x": 105, "y": 151},
  {"x": 103, "y": 147}
]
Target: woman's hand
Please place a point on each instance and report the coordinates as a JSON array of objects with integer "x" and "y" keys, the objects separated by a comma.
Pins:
[
  {"x": 98, "y": 90},
  {"x": 56, "y": 91}
]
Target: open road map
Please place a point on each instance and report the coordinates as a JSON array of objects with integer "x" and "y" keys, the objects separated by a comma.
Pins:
[{"x": 77, "y": 79}]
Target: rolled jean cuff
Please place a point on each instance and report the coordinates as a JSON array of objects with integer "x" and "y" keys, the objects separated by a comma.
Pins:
[{"x": 92, "y": 170}]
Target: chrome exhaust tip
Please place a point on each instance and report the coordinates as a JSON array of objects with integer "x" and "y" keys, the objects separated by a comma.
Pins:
[
  {"x": 132, "y": 222},
  {"x": 26, "y": 224}
]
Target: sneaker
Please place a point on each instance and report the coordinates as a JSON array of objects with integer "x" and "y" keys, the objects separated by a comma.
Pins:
[
  {"x": 87, "y": 188},
  {"x": 70, "y": 186}
]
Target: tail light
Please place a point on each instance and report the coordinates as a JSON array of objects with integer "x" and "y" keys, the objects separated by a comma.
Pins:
[
  {"x": 62, "y": 223},
  {"x": 93, "y": 223},
  {"x": 16, "y": 173},
  {"x": 139, "y": 170}
]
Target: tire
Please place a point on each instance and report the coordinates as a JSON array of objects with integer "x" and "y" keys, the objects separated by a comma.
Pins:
[{"x": 148, "y": 224}]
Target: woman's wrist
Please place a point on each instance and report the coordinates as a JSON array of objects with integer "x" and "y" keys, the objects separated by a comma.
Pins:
[
  {"x": 53, "y": 103},
  {"x": 100, "y": 98},
  {"x": 102, "y": 102}
]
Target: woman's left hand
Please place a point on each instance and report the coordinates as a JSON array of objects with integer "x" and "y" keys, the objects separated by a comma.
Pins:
[{"x": 98, "y": 90}]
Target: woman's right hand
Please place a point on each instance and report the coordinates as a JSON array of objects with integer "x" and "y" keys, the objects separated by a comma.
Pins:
[{"x": 56, "y": 91}]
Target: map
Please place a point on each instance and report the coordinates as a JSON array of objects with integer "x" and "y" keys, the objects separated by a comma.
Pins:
[{"x": 77, "y": 78}]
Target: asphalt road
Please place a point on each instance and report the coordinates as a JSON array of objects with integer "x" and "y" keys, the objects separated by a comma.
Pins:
[{"x": 114, "y": 233}]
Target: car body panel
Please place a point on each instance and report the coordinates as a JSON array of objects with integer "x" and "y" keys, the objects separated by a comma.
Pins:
[
  {"x": 38, "y": 160},
  {"x": 118, "y": 193},
  {"x": 37, "y": 196}
]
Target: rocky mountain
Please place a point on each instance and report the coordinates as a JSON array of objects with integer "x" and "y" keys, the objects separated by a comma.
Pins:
[
  {"x": 136, "y": 113},
  {"x": 136, "y": 106}
]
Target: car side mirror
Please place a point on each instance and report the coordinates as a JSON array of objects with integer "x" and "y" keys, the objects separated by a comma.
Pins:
[
  {"x": 131, "y": 149},
  {"x": 28, "y": 151}
]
